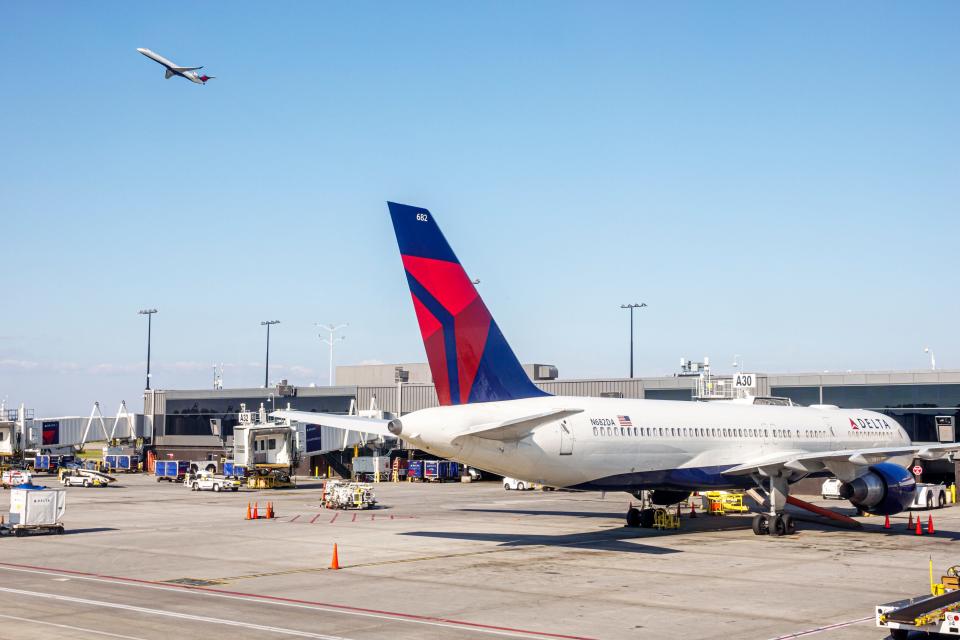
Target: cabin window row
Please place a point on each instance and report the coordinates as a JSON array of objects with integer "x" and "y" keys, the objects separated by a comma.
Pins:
[{"x": 698, "y": 432}]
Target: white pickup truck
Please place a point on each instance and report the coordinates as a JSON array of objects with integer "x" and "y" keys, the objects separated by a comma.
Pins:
[{"x": 206, "y": 481}]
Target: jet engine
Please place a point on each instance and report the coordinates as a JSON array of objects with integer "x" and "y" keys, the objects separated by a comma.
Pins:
[{"x": 884, "y": 490}]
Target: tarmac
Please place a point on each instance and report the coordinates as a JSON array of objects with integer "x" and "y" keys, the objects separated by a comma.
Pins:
[{"x": 150, "y": 560}]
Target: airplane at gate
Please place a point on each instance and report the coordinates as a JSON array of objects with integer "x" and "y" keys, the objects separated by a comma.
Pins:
[
  {"x": 190, "y": 73},
  {"x": 493, "y": 417}
]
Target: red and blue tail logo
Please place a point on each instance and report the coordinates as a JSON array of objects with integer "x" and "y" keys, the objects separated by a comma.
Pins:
[{"x": 469, "y": 357}]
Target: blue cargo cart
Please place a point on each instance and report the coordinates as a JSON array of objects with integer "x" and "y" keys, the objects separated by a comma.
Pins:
[
  {"x": 171, "y": 470},
  {"x": 415, "y": 470},
  {"x": 46, "y": 463},
  {"x": 232, "y": 470}
]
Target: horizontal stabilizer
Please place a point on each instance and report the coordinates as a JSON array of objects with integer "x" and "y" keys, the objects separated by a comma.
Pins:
[
  {"x": 371, "y": 426},
  {"x": 516, "y": 428}
]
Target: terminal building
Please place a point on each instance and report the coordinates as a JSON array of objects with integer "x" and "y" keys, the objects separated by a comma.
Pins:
[{"x": 199, "y": 423}]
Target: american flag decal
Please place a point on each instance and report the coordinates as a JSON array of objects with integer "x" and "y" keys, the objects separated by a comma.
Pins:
[{"x": 624, "y": 421}]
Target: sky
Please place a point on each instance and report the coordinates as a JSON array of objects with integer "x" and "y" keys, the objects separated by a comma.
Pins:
[{"x": 775, "y": 180}]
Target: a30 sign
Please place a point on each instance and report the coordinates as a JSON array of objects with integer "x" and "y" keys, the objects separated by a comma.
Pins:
[{"x": 745, "y": 381}]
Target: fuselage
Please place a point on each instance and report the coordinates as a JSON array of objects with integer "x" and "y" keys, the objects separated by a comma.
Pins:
[
  {"x": 616, "y": 444},
  {"x": 172, "y": 67}
]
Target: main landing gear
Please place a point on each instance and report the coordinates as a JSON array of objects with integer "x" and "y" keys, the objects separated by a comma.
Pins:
[
  {"x": 640, "y": 517},
  {"x": 775, "y": 523}
]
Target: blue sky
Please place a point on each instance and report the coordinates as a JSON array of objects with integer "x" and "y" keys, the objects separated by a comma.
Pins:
[{"x": 776, "y": 180}]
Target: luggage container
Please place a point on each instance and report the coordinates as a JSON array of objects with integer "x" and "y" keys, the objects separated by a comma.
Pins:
[
  {"x": 415, "y": 470},
  {"x": 448, "y": 470},
  {"x": 45, "y": 463},
  {"x": 233, "y": 470},
  {"x": 34, "y": 508},
  {"x": 369, "y": 468},
  {"x": 171, "y": 470},
  {"x": 431, "y": 470}
]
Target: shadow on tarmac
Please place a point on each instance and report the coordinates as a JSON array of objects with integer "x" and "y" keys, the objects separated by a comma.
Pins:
[
  {"x": 612, "y": 540},
  {"x": 536, "y": 512},
  {"x": 70, "y": 532}
]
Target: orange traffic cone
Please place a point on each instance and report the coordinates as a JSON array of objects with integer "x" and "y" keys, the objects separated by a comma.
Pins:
[
  {"x": 335, "y": 560},
  {"x": 269, "y": 510},
  {"x": 249, "y": 516},
  {"x": 886, "y": 522},
  {"x": 919, "y": 530},
  {"x": 910, "y": 522},
  {"x": 930, "y": 524},
  {"x": 693, "y": 510},
  {"x": 256, "y": 516}
]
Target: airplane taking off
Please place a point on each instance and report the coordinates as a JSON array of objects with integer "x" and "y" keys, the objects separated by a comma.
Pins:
[
  {"x": 493, "y": 417},
  {"x": 190, "y": 73}
]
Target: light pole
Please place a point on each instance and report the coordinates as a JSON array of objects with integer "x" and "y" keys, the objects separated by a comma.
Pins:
[
  {"x": 330, "y": 341},
  {"x": 738, "y": 362},
  {"x": 632, "y": 307},
  {"x": 933, "y": 358},
  {"x": 266, "y": 373},
  {"x": 149, "y": 313}
]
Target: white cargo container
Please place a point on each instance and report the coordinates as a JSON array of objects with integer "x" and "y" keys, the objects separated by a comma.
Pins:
[
  {"x": 369, "y": 466},
  {"x": 38, "y": 508}
]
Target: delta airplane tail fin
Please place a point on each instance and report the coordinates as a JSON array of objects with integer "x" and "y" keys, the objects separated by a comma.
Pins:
[{"x": 469, "y": 358}]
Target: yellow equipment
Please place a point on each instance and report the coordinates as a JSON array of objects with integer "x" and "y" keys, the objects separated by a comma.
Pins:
[
  {"x": 723, "y": 502},
  {"x": 664, "y": 519}
]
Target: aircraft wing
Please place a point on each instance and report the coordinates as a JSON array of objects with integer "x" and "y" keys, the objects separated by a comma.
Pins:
[
  {"x": 516, "y": 428},
  {"x": 809, "y": 462},
  {"x": 182, "y": 69},
  {"x": 371, "y": 426}
]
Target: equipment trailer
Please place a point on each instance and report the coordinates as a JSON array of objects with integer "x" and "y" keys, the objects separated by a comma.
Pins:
[{"x": 929, "y": 614}]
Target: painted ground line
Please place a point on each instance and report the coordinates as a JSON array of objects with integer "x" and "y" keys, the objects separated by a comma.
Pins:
[
  {"x": 170, "y": 614},
  {"x": 296, "y": 603},
  {"x": 98, "y": 632},
  {"x": 828, "y": 627}
]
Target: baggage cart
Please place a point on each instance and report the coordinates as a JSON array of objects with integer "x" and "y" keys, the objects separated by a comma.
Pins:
[{"x": 36, "y": 509}]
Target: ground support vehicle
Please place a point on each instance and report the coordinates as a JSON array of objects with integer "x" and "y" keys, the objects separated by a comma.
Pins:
[
  {"x": 518, "y": 485},
  {"x": 36, "y": 509},
  {"x": 830, "y": 489},
  {"x": 930, "y": 496},
  {"x": 720, "y": 503},
  {"x": 338, "y": 494},
  {"x": 265, "y": 478},
  {"x": 936, "y": 614},
  {"x": 206, "y": 481},
  {"x": 171, "y": 470},
  {"x": 13, "y": 477},
  {"x": 84, "y": 478}
]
